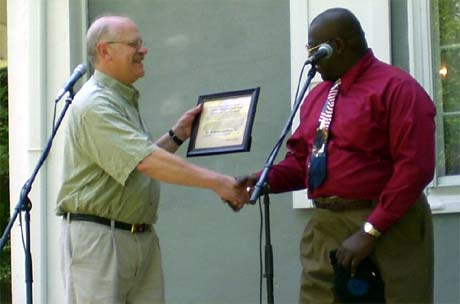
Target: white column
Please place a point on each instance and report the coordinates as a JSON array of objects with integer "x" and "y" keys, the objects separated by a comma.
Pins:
[
  {"x": 66, "y": 34},
  {"x": 42, "y": 38},
  {"x": 26, "y": 49}
]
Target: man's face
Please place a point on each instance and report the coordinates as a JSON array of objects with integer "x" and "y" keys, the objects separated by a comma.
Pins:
[
  {"x": 325, "y": 66},
  {"x": 128, "y": 52}
]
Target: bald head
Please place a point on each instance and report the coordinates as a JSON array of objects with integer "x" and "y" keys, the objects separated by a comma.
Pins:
[
  {"x": 103, "y": 28},
  {"x": 116, "y": 48},
  {"x": 340, "y": 22},
  {"x": 342, "y": 31}
]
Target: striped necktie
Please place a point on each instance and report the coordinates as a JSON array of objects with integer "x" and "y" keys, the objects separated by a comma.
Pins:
[{"x": 318, "y": 158}]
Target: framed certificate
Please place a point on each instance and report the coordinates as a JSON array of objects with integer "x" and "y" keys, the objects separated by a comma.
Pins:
[{"x": 224, "y": 124}]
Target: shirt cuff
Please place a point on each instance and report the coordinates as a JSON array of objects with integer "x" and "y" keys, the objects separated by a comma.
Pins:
[{"x": 381, "y": 219}]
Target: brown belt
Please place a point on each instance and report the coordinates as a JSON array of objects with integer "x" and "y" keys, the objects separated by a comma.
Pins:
[{"x": 335, "y": 203}]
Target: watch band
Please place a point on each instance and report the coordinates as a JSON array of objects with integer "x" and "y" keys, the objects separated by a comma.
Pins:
[
  {"x": 370, "y": 229},
  {"x": 176, "y": 139}
]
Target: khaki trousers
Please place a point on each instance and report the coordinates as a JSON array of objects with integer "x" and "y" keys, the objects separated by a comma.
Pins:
[
  {"x": 101, "y": 264},
  {"x": 404, "y": 254}
]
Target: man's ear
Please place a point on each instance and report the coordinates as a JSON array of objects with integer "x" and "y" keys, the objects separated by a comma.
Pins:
[
  {"x": 338, "y": 44},
  {"x": 103, "y": 51}
]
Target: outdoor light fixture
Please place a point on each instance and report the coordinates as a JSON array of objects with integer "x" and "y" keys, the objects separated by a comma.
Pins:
[{"x": 443, "y": 72}]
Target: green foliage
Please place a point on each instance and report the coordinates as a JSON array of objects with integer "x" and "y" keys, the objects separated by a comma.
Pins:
[
  {"x": 3, "y": 123},
  {"x": 5, "y": 264},
  {"x": 449, "y": 21},
  {"x": 449, "y": 31}
]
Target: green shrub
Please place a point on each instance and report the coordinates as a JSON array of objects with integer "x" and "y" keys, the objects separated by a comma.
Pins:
[
  {"x": 3, "y": 123},
  {"x": 5, "y": 260}
]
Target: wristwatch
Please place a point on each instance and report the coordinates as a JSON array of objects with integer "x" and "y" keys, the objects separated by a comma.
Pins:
[{"x": 369, "y": 229}]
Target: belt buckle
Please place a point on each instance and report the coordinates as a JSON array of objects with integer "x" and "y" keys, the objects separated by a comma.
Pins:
[
  {"x": 328, "y": 202},
  {"x": 137, "y": 228}
]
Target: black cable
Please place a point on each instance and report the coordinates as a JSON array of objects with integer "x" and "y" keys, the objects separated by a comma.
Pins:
[
  {"x": 20, "y": 214},
  {"x": 22, "y": 233},
  {"x": 300, "y": 79},
  {"x": 280, "y": 140},
  {"x": 260, "y": 251},
  {"x": 278, "y": 143}
]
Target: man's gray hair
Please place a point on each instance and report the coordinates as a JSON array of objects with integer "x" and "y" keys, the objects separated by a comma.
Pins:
[{"x": 98, "y": 30}]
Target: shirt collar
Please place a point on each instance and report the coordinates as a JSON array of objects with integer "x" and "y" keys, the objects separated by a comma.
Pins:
[
  {"x": 128, "y": 92},
  {"x": 355, "y": 71}
]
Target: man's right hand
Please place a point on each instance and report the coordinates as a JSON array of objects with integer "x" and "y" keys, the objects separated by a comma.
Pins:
[
  {"x": 242, "y": 190},
  {"x": 247, "y": 182},
  {"x": 232, "y": 193}
]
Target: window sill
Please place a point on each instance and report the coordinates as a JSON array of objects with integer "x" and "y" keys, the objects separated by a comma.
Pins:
[
  {"x": 442, "y": 199},
  {"x": 449, "y": 181},
  {"x": 445, "y": 198}
]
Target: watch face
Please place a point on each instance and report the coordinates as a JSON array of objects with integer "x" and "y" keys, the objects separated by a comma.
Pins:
[{"x": 368, "y": 227}]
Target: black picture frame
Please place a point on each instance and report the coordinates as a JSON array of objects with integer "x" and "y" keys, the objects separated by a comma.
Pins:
[{"x": 217, "y": 129}]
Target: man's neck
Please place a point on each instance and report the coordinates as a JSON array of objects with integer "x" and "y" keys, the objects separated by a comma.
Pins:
[{"x": 111, "y": 74}]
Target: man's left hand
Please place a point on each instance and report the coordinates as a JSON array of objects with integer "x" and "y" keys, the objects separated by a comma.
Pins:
[
  {"x": 354, "y": 249},
  {"x": 183, "y": 127}
]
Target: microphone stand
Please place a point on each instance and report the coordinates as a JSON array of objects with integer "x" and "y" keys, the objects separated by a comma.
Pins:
[
  {"x": 261, "y": 186},
  {"x": 25, "y": 203}
]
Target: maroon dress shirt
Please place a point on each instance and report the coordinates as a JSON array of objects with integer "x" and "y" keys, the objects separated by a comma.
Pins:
[{"x": 381, "y": 142}]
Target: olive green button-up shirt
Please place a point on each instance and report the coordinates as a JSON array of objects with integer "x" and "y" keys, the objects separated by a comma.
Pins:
[{"x": 104, "y": 142}]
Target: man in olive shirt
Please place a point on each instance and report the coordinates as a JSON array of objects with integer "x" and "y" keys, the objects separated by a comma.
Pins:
[{"x": 112, "y": 166}]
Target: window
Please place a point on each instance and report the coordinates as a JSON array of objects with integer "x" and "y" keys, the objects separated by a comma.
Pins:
[
  {"x": 434, "y": 60},
  {"x": 446, "y": 84}
]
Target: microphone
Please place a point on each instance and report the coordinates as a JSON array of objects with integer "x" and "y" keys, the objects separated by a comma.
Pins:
[
  {"x": 324, "y": 51},
  {"x": 79, "y": 71}
]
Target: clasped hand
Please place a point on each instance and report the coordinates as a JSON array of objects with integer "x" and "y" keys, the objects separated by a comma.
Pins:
[{"x": 240, "y": 192}]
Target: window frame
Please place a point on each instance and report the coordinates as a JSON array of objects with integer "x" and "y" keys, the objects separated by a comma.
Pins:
[{"x": 444, "y": 191}]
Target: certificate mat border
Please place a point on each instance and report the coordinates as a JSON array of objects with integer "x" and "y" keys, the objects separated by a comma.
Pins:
[{"x": 245, "y": 146}]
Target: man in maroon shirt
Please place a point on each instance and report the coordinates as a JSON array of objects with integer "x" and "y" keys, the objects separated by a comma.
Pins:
[{"x": 380, "y": 157}]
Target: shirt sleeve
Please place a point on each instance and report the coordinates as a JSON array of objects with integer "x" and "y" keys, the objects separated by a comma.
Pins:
[
  {"x": 113, "y": 141},
  {"x": 412, "y": 142}
]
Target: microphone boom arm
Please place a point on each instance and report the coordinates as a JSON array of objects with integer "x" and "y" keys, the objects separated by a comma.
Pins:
[{"x": 261, "y": 183}]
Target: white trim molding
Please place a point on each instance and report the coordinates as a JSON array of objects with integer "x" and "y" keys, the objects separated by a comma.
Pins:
[{"x": 45, "y": 43}]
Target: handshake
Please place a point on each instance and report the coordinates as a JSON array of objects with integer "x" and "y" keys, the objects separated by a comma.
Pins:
[{"x": 236, "y": 192}]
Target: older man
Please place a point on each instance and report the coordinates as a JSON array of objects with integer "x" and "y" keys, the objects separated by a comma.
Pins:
[
  {"x": 110, "y": 193},
  {"x": 365, "y": 151}
]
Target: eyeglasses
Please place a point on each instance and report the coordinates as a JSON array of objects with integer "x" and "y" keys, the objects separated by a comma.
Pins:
[
  {"x": 136, "y": 44},
  {"x": 312, "y": 49}
]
